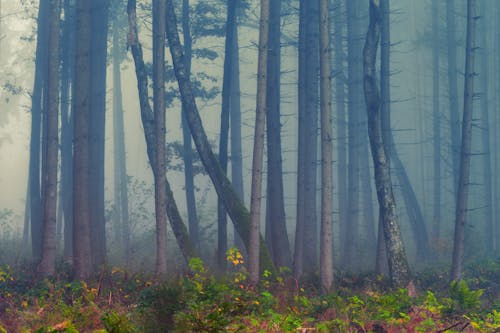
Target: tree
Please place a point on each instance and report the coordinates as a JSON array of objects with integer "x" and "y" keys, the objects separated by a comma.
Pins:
[
  {"x": 276, "y": 231},
  {"x": 465, "y": 151},
  {"x": 258, "y": 146},
  {"x": 159, "y": 168},
  {"x": 436, "y": 128},
  {"x": 224, "y": 128},
  {"x": 398, "y": 265},
  {"x": 148, "y": 123},
  {"x": 305, "y": 256},
  {"x": 234, "y": 206},
  {"x": 81, "y": 215},
  {"x": 48, "y": 263},
  {"x": 326, "y": 244},
  {"x": 36, "y": 121},
  {"x": 98, "y": 60}
]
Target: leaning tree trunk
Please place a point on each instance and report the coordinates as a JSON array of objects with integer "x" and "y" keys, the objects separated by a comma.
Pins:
[
  {"x": 465, "y": 152},
  {"x": 234, "y": 205},
  {"x": 398, "y": 265},
  {"x": 326, "y": 241},
  {"x": 148, "y": 122},
  {"x": 47, "y": 265}
]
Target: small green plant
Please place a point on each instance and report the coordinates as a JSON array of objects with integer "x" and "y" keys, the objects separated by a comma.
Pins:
[{"x": 464, "y": 299}]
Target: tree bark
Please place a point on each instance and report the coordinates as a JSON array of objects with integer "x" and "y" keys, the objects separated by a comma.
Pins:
[
  {"x": 98, "y": 59},
  {"x": 398, "y": 265},
  {"x": 36, "y": 121},
  {"x": 159, "y": 168},
  {"x": 436, "y": 124},
  {"x": 186, "y": 135},
  {"x": 224, "y": 130},
  {"x": 258, "y": 146},
  {"x": 234, "y": 206},
  {"x": 276, "y": 231},
  {"x": 47, "y": 265},
  {"x": 326, "y": 243},
  {"x": 82, "y": 264},
  {"x": 148, "y": 122},
  {"x": 465, "y": 152}
]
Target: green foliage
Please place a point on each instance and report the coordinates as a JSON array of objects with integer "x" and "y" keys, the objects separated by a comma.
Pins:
[
  {"x": 115, "y": 323},
  {"x": 464, "y": 299}
]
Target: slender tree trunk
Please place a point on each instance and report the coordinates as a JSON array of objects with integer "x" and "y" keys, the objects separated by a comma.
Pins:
[
  {"x": 340, "y": 81},
  {"x": 398, "y": 265},
  {"x": 122, "y": 231},
  {"x": 81, "y": 215},
  {"x": 148, "y": 122},
  {"x": 436, "y": 127},
  {"x": 36, "y": 121},
  {"x": 98, "y": 56},
  {"x": 186, "y": 135},
  {"x": 485, "y": 133},
  {"x": 276, "y": 231},
  {"x": 465, "y": 152},
  {"x": 453, "y": 91},
  {"x": 47, "y": 265},
  {"x": 354, "y": 141},
  {"x": 67, "y": 82},
  {"x": 258, "y": 147},
  {"x": 326, "y": 243},
  {"x": 159, "y": 168},
  {"x": 306, "y": 233},
  {"x": 234, "y": 206},
  {"x": 224, "y": 130}
]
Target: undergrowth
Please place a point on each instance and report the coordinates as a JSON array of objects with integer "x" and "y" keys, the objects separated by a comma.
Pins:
[{"x": 120, "y": 302}]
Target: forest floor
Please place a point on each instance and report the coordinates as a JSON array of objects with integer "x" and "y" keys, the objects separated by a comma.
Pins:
[{"x": 120, "y": 302}]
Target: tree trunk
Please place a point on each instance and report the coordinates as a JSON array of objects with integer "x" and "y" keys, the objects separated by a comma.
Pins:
[
  {"x": 453, "y": 92},
  {"x": 67, "y": 82},
  {"x": 485, "y": 134},
  {"x": 36, "y": 121},
  {"x": 186, "y": 135},
  {"x": 234, "y": 206},
  {"x": 465, "y": 152},
  {"x": 148, "y": 122},
  {"x": 224, "y": 130},
  {"x": 122, "y": 231},
  {"x": 398, "y": 265},
  {"x": 340, "y": 84},
  {"x": 354, "y": 108},
  {"x": 81, "y": 215},
  {"x": 306, "y": 233},
  {"x": 159, "y": 168},
  {"x": 258, "y": 146},
  {"x": 47, "y": 265},
  {"x": 326, "y": 243},
  {"x": 436, "y": 123},
  {"x": 276, "y": 231}
]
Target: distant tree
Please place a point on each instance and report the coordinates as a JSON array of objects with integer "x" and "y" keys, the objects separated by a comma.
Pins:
[
  {"x": 398, "y": 265},
  {"x": 47, "y": 265},
  {"x": 326, "y": 242},
  {"x": 465, "y": 151}
]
